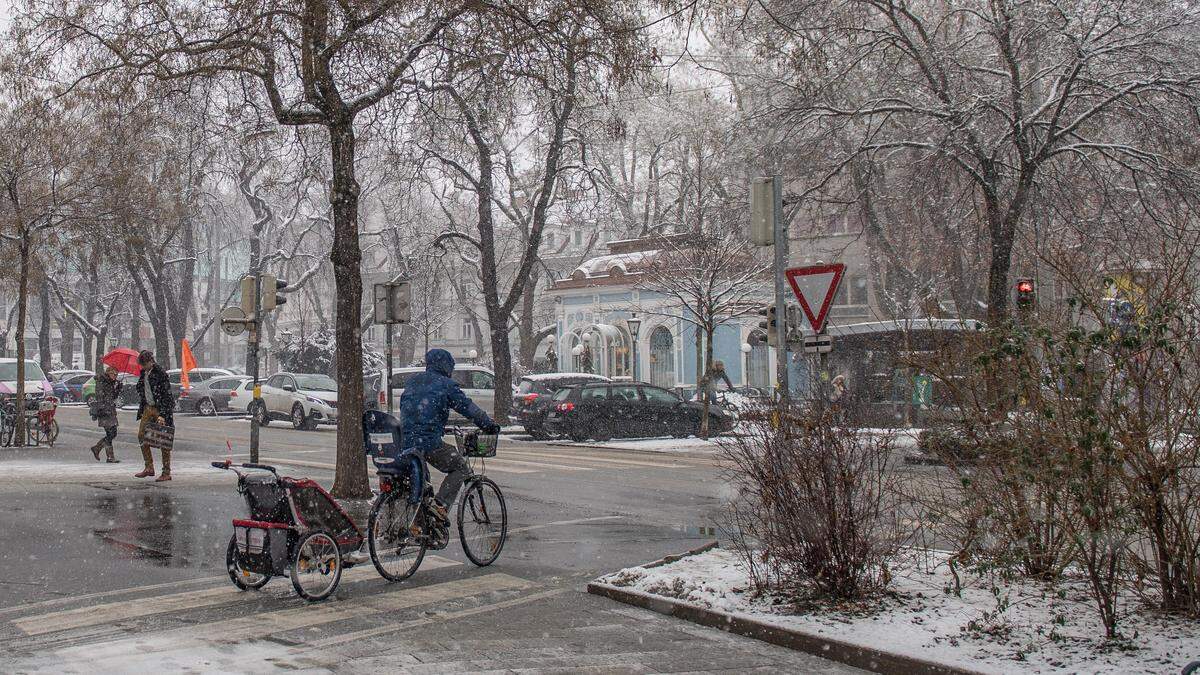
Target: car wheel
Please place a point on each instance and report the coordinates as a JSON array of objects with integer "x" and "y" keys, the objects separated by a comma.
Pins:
[
  {"x": 537, "y": 433},
  {"x": 299, "y": 421},
  {"x": 576, "y": 434},
  {"x": 260, "y": 414},
  {"x": 206, "y": 407}
]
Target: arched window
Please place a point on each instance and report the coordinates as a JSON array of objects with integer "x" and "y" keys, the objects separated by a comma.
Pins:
[
  {"x": 758, "y": 370},
  {"x": 662, "y": 358}
]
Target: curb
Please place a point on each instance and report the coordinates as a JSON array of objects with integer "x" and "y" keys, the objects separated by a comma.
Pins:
[{"x": 858, "y": 656}]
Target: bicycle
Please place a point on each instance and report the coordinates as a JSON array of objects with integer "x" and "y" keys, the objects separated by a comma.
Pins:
[
  {"x": 42, "y": 425},
  {"x": 402, "y": 525}
]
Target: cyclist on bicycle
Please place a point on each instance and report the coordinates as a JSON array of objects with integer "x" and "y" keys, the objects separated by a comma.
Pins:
[{"x": 424, "y": 407}]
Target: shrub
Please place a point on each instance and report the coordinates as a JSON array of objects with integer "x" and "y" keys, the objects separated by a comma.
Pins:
[{"x": 815, "y": 508}]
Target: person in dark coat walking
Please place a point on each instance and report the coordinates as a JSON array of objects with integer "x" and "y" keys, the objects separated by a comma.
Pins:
[
  {"x": 156, "y": 404},
  {"x": 425, "y": 406},
  {"x": 104, "y": 411}
]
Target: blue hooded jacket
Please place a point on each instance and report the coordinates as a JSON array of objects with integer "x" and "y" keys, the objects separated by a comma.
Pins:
[{"x": 427, "y": 399}]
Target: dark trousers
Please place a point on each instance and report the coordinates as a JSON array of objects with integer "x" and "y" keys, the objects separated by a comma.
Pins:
[{"x": 449, "y": 461}]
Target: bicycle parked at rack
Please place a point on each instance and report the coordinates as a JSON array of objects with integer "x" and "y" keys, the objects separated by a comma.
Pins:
[
  {"x": 40, "y": 426},
  {"x": 403, "y": 525}
]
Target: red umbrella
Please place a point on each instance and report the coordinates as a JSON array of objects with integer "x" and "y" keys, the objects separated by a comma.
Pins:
[{"x": 125, "y": 360}]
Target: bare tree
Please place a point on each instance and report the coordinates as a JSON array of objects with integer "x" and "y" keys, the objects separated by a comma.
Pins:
[
  {"x": 711, "y": 278},
  {"x": 1001, "y": 93}
]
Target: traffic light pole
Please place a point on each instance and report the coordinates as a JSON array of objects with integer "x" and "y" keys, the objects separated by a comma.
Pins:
[
  {"x": 781, "y": 261},
  {"x": 252, "y": 345},
  {"x": 387, "y": 377}
]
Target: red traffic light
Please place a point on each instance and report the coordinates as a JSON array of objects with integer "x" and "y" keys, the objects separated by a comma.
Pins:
[{"x": 1025, "y": 286}]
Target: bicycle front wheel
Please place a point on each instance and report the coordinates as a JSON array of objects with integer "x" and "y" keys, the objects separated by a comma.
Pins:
[
  {"x": 396, "y": 536},
  {"x": 482, "y": 521}
]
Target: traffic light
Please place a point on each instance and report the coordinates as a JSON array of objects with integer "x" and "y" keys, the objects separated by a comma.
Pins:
[
  {"x": 270, "y": 292},
  {"x": 247, "y": 286},
  {"x": 770, "y": 325},
  {"x": 1026, "y": 294}
]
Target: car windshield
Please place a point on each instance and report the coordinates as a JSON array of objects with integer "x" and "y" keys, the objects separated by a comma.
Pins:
[
  {"x": 562, "y": 394},
  {"x": 33, "y": 372},
  {"x": 315, "y": 383}
]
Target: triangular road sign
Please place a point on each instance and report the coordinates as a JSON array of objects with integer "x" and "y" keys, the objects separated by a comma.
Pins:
[{"x": 814, "y": 287}]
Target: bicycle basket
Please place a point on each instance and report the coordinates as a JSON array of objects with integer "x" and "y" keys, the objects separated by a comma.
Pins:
[{"x": 478, "y": 444}]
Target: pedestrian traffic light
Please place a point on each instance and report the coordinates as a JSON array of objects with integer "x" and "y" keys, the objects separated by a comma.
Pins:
[
  {"x": 1026, "y": 295},
  {"x": 270, "y": 292},
  {"x": 770, "y": 325}
]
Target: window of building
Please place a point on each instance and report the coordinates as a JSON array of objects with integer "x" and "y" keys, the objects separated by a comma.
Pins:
[
  {"x": 550, "y": 240},
  {"x": 467, "y": 329},
  {"x": 436, "y": 332},
  {"x": 579, "y": 237},
  {"x": 853, "y": 290}
]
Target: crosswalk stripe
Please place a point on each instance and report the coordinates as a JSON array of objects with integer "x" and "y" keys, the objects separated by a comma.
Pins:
[
  {"x": 258, "y": 626},
  {"x": 162, "y": 604},
  {"x": 603, "y": 460},
  {"x": 457, "y": 614}
]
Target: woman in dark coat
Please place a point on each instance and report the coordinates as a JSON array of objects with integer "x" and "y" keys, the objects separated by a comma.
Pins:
[{"x": 104, "y": 411}]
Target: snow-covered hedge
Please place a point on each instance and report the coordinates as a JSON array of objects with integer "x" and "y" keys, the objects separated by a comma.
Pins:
[{"x": 317, "y": 353}]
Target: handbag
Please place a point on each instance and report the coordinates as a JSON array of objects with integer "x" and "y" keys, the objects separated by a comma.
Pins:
[{"x": 159, "y": 436}]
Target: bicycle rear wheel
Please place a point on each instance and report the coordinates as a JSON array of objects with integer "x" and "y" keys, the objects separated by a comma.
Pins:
[
  {"x": 482, "y": 521},
  {"x": 396, "y": 551}
]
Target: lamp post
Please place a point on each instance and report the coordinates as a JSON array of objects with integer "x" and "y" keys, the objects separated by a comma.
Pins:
[
  {"x": 746, "y": 349},
  {"x": 473, "y": 355},
  {"x": 635, "y": 325}
]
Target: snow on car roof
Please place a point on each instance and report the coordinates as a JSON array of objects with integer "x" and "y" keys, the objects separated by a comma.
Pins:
[
  {"x": 622, "y": 261},
  {"x": 542, "y": 377}
]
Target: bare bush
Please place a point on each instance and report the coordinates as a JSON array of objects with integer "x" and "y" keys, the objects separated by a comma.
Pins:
[{"x": 815, "y": 512}]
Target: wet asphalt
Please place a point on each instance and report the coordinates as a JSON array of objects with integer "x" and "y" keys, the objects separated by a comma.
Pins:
[{"x": 77, "y": 533}]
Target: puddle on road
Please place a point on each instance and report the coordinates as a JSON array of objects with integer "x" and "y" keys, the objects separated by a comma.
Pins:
[{"x": 153, "y": 527}]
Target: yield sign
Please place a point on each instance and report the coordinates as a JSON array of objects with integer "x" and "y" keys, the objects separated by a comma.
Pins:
[{"x": 814, "y": 287}]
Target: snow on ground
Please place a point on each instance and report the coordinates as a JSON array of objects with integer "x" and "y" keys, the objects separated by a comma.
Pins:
[
  {"x": 667, "y": 444},
  {"x": 1042, "y": 629},
  {"x": 87, "y": 469}
]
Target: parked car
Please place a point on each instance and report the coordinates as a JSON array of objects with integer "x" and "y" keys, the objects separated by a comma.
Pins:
[
  {"x": 37, "y": 385},
  {"x": 129, "y": 393},
  {"x": 195, "y": 376},
  {"x": 242, "y": 396},
  {"x": 307, "y": 399},
  {"x": 477, "y": 382},
  {"x": 68, "y": 384},
  {"x": 210, "y": 396},
  {"x": 603, "y": 411},
  {"x": 532, "y": 401}
]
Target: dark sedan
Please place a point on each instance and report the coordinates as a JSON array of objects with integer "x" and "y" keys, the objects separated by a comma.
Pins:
[
  {"x": 532, "y": 402},
  {"x": 628, "y": 409}
]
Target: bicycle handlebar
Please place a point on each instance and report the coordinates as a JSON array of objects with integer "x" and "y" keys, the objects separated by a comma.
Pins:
[{"x": 229, "y": 466}]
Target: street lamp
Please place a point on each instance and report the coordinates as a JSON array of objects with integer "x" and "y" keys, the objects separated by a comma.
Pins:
[
  {"x": 473, "y": 354},
  {"x": 746, "y": 349},
  {"x": 635, "y": 325}
]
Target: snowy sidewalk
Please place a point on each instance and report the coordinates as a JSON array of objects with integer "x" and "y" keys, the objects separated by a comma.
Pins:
[
  {"x": 657, "y": 445},
  {"x": 991, "y": 628}
]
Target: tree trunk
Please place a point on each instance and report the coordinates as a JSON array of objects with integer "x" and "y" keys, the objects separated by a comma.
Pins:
[
  {"x": 708, "y": 360},
  {"x": 22, "y": 311},
  {"x": 45, "y": 358},
  {"x": 351, "y": 478},
  {"x": 135, "y": 321},
  {"x": 66, "y": 347}
]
